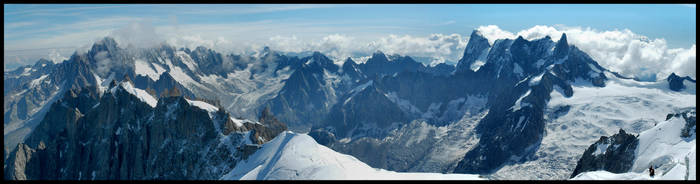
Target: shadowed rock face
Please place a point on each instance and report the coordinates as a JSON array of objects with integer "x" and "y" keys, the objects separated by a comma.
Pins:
[
  {"x": 614, "y": 154},
  {"x": 523, "y": 74},
  {"x": 116, "y": 136},
  {"x": 675, "y": 82},
  {"x": 379, "y": 64},
  {"x": 268, "y": 128},
  {"x": 476, "y": 47}
]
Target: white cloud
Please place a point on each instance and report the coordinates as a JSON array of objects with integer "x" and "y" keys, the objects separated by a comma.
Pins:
[
  {"x": 440, "y": 47},
  {"x": 449, "y": 22},
  {"x": 437, "y": 46},
  {"x": 56, "y": 57},
  {"x": 493, "y": 33},
  {"x": 18, "y": 24},
  {"x": 49, "y": 30},
  {"x": 618, "y": 50},
  {"x": 139, "y": 34},
  {"x": 622, "y": 51},
  {"x": 287, "y": 43}
]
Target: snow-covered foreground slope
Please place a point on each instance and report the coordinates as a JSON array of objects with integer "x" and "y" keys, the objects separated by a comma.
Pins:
[
  {"x": 605, "y": 175},
  {"x": 293, "y": 156},
  {"x": 593, "y": 112},
  {"x": 673, "y": 156}
]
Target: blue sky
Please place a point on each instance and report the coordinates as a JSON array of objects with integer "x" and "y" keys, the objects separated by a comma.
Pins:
[{"x": 48, "y": 30}]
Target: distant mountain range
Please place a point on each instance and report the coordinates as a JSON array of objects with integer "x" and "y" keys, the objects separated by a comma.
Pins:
[{"x": 514, "y": 109}]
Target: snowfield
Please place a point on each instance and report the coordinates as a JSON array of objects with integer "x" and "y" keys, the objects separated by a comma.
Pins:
[
  {"x": 293, "y": 156},
  {"x": 143, "y": 68},
  {"x": 593, "y": 112},
  {"x": 139, "y": 93},
  {"x": 605, "y": 175}
]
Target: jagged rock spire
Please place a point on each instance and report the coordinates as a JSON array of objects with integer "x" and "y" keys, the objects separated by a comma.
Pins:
[
  {"x": 475, "y": 47},
  {"x": 562, "y": 47}
]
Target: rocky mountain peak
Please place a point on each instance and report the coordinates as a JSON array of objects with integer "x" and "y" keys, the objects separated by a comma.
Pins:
[
  {"x": 126, "y": 78},
  {"x": 106, "y": 44},
  {"x": 378, "y": 57},
  {"x": 476, "y": 48},
  {"x": 562, "y": 47},
  {"x": 42, "y": 63},
  {"x": 675, "y": 82},
  {"x": 270, "y": 128},
  {"x": 322, "y": 60},
  {"x": 348, "y": 61},
  {"x": 614, "y": 154}
]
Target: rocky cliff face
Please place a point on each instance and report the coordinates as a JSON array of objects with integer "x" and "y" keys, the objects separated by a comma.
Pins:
[
  {"x": 308, "y": 93},
  {"x": 523, "y": 74},
  {"x": 614, "y": 154},
  {"x": 476, "y": 51},
  {"x": 379, "y": 64},
  {"x": 117, "y": 135},
  {"x": 675, "y": 82}
]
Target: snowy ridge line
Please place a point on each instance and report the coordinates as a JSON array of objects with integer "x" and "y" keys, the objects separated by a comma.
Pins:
[
  {"x": 297, "y": 156},
  {"x": 139, "y": 93}
]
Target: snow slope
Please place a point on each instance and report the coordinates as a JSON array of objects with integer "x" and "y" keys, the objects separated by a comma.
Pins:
[
  {"x": 663, "y": 147},
  {"x": 605, "y": 175},
  {"x": 297, "y": 156},
  {"x": 673, "y": 157},
  {"x": 139, "y": 93},
  {"x": 211, "y": 109},
  {"x": 143, "y": 68},
  {"x": 593, "y": 112}
]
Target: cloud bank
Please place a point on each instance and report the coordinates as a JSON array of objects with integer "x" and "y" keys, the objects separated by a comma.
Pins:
[
  {"x": 439, "y": 47},
  {"x": 622, "y": 51}
]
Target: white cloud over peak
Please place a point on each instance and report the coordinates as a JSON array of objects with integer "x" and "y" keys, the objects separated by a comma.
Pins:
[
  {"x": 56, "y": 57},
  {"x": 493, "y": 33},
  {"x": 439, "y": 47},
  {"x": 622, "y": 51},
  {"x": 139, "y": 34}
]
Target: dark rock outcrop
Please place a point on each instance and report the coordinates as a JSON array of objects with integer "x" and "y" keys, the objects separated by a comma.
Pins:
[
  {"x": 268, "y": 128},
  {"x": 675, "y": 82},
  {"x": 323, "y": 137},
  {"x": 614, "y": 154}
]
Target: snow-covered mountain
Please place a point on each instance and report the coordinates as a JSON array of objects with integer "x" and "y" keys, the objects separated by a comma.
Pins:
[
  {"x": 669, "y": 147},
  {"x": 292, "y": 156},
  {"x": 30, "y": 91},
  {"x": 514, "y": 109},
  {"x": 123, "y": 132},
  {"x": 574, "y": 123}
]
